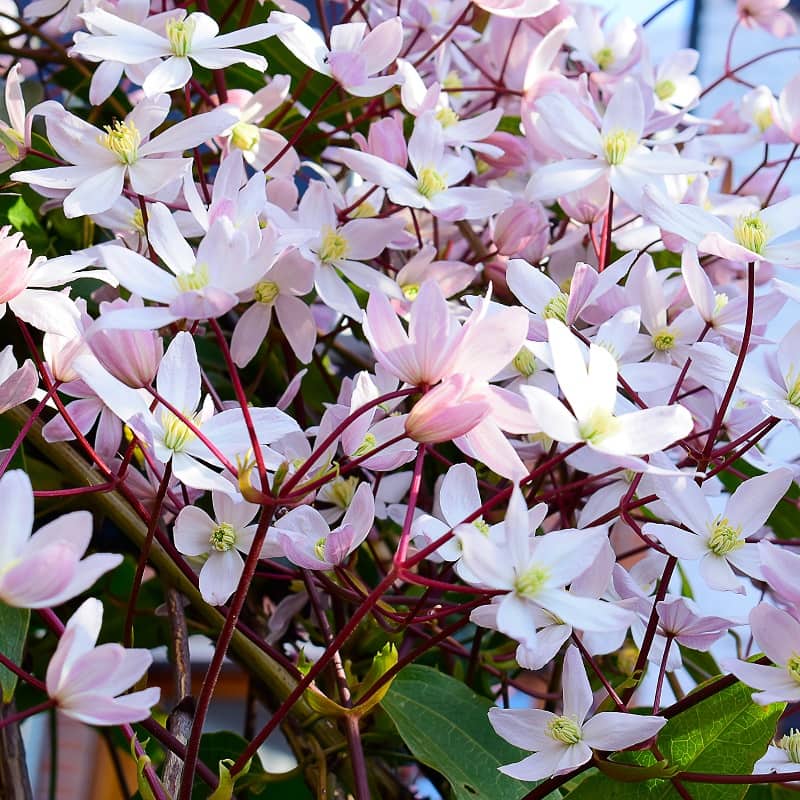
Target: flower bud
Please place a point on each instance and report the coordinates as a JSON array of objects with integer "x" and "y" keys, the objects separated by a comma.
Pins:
[
  {"x": 519, "y": 226},
  {"x": 447, "y": 412},
  {"x": 385, "y": 140}
]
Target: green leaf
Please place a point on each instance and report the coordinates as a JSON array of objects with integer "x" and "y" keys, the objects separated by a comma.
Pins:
[
  {"x": 445, "y": 725},
  {"x": 766, "y": 791},
  {"x": 13, "y": 630},
  {"x": 724, "y": 734}
]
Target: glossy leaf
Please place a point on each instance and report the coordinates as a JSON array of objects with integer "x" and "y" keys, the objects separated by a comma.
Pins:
[{"x": 13, "y": 630}]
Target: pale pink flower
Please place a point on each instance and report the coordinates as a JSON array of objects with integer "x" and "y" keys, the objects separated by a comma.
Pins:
[
  {"x": 777, "y": 635},
  {"x": 591, "y": 392},
  {"x": 16, "y": 136},
  {"x": 678, "y": 620},
  {"x": 46, "y": 568},
  {"x": 788, "y": 116},
  {"x": 16, "y": 384},
  {"x": 88, "y": 682},
  {"x": 195, "y": 37},
  {"x": 355, "y": 56},
  {"x": 517, "y": 9},
  {"x": 718, "y": 540},
  {"x": 306, "y": 539},
  {"x": 766, "y": 14},
  {"x": 99, "y": 162},
  {"x": 563, "y": 742},
  {"x": 780, "y": 567},
  {"x": 221, "y": 540},
  {"x": 783, "y": 756}
]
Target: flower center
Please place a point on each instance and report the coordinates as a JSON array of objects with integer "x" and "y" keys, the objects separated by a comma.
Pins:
[
  {"x": 720, "y": 301},
  {"x": 177, "y": 434},
  {"x": 664, "y": 89},
  {"x": 532, "y": 581},
  {"x": 245, "y": 136},
  {"x": 664, "y": 340},
  {"x": 793, "y": 395},
  {"x": 763, "y": 119},
  {"x": 366, "y": 446},
  {"x": 122, "y": 139},
  {"x": 334, "y": 247},
  {"x": 341, "y": 491},
  {"x": 564, "y": 730},
  {"x": 617, "y": 145},
  {"x": 193, "y": 281},
  {"x": 524, "y": 362},
  {"x": 482, "y": 526},
  {"x": 430, "y": 182},
  {"x": 604, "y": 57},
  {"x": 556, "y": 307},
  {"x": 447, "y": 117},
  {"x": 319, "y": 548},
  {"x": 724, "y": 537},
  {"x": 791, "y": 745},
  {"x": 751, "y": 232},
  {"x": 266, "y": 292},
  {"x": 137, "y": 221},
  {"x": 793, "y": 666},
  {"x": 410, "y": 291},
  {"x": 179, "y": 33},
  {"x": 223, "y": 537},
  {"x": 601, "y": 424}
]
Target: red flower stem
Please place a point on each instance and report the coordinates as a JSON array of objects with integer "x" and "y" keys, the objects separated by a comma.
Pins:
[
  {"x": 15, "y": 445},
  {"x": 18, "y": 716},
  {"x": 21, "y": 673}
]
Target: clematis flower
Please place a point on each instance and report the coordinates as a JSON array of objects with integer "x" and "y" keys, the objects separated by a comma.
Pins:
[
  {"x": 718, "y": 540},
  {"x": 517, "y": 9},
  {"x": 353, "y": 58},
  {"x": 436, "y": 172},
  {"x": 189, "y": 38},
  {"x": 221, "y": 540},
  {"x": 201, "y": 285},
  {"x": 88, "y": 682},
  {"x": 614, "y": 152},
  {"x": 100, "y": 161},
  {"x": 534, "y": 571},
  {"x": 754, "y": 237},
  {"x": 780, "y": 565},
  {"x": 679, "y": 620},
  {"x": 592, "y": 394},
  {"x": 168, "y": 436},
  {"x": 306, "y": 539},
  {"x": 45, "y": 568},
  {"x": 777, "y": 635},
  {"x": 563, "y": 742},
  {"x": 768, "y": 15}
]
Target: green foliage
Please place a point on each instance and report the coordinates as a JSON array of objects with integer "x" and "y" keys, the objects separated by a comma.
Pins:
[
  {"x": 13, "y": 630},
  {"x": 724, "y": 734},
  {"x": 445, "y": 725}
]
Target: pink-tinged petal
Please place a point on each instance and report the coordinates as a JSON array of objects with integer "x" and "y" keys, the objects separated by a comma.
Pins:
[
  {"x": 755, "y": 499},
  {"x": 220, "y": 575},
  {"x": 173, "y": 73},
  {"x": 493, "y": 341},
  {"x": 73, "y": 529},
  {"x": 509, "y": 411},
  {"x": 514, "y": 619},
  {"x": 125, "y": 402},
  {"x": 584, "y": 283},
  {"x": 469, "y": 202},
  {"x": 698, "y": 284},
  {"x": 781, "y": 217},
  {"x": 647, "y": 431},
  {"x": 339, "y": 544},
  {"x": 91, "y": 670},
  {"x": 717, "y": 573},
  {"x": 18, "y": 387},
  {"x": 688, "y": 221},
  {"x": 376, "y": 170},
  {"x": 488, "y": 444},
  {"x": 361, "y": 513},
  {"x": 249, "y": 333},
  {"x": 569, "y": 553},
  {"x": 47, "y": 311},
  {"x": 575, "y": 686},
  {"x": 677, "y": 542},
  {"x": 530, "y": 285},
  {"x": 781, "y": 568},
  {"x": 96, "y": 193},
  {"x": 686, "y": 501},
  {"x": 776, "y": 632},
  {"x": 99, "y": 709},
  {"x": 300, "y": 552},
  {"x": 602, "y": 374},
  {"x": 540, "y": 765},
  {"x": 178, "y": 379},
  {"x": 86, "y": 574},
  {"x": 551, "y": 415},
  {"x": 83, "y": 414},
  {"x": 192, "y": 531},
  {"x": 429, "y": 331},
  {"x": 208, "y": 303},
  {"x": 446, "y": 412},
  {"x": 523, "y": 727},
  {"x": 233, "y": 510},
  {"x": 191, "y": 132},
  {"x": 382, "y": 44},
  {"x": 569, "y": 125},
  {"x": 612, "y": 730},
  {"x": 747, "y": 559},
  {"x": 720, "y": 245},
  {"x": 15, "y": 103},
  {"x": 298, "y": 325},
  {"x": 16, "y": 500},
  {"x": 33, "y": 581},
  {"x": 106, "y": 78},
  {"x": 198, "y": 476},
  {"x": 570, "y": 368},
  {"x": 335, "y": 293}
]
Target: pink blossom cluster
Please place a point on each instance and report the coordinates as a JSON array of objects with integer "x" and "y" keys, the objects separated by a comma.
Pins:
[{"x": 471, "y": 319}]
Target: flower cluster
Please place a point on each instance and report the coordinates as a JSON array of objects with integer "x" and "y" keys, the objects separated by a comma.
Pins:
[{"x": 450, "y": 326}]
